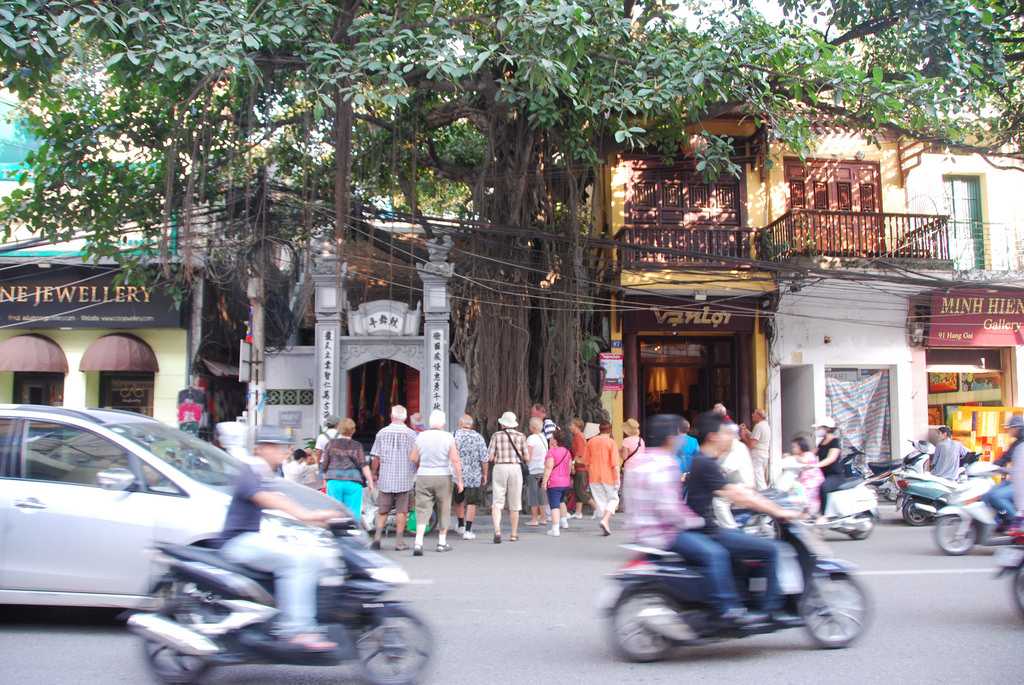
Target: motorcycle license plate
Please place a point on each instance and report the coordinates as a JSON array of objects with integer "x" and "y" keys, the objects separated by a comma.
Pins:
[
  {"x": 607, "y": 597},
  {"x": 1008, "y": 557}
]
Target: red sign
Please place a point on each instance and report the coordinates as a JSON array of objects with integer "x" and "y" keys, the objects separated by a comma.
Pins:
[{"x": 977, "y": 318}]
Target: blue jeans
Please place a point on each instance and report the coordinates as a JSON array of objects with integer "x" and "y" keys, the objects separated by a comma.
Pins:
[
  {"x": 1000, "y": 498},
  {"x": 349, "y": 493},
  {"x": 296, "y": 572},
  {"x": 743, "y": 546},
  {"x": 700, "y": 550}
]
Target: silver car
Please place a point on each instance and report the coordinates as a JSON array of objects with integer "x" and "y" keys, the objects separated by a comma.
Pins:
[{"x": 84, "y": 495}]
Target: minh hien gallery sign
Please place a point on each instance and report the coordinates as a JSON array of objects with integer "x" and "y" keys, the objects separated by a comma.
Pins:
[{"x": 977, "y": 318}]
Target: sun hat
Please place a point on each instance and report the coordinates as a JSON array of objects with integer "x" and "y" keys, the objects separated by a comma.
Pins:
[
  {"x": 272, "y": 435},
  {"x": 631, "y": 427},
  {"x": 508, "y": 420},
  {"x": 591, "y": 430},
  {"x": 827, "y": 422}
]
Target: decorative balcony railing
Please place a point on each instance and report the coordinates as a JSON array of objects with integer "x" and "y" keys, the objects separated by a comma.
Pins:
[
  {"x": 668, "y": 246},
  {"x": 820, "y": 233}
]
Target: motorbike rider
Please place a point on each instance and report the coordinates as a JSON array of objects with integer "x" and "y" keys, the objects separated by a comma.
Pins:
[
  {"x": 707, "y": 481},
  {"x": 1003, "y": 497},
  {"x": 829, "y": 451},
  {"x": 296, "y": 569}
]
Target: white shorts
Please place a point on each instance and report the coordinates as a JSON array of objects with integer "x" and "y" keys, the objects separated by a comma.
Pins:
[{"x": 606, "y": 497}]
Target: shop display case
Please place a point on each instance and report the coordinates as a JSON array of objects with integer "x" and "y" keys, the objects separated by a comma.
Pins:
[{"x": 980, "y": 429}]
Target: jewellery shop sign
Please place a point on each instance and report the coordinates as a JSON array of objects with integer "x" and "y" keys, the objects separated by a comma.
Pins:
[{"x": 76, "y": 297}]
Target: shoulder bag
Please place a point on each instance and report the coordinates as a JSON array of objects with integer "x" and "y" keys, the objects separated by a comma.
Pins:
[{"x": 523, "y": 465}]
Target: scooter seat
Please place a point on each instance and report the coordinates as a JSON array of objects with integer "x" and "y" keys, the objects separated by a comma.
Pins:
[
  {"x": 850, "y": 483},
  {"x": 213, "y": 558}
]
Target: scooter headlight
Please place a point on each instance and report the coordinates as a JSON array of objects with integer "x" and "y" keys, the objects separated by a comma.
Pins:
[{"x": 389, "y": 574}]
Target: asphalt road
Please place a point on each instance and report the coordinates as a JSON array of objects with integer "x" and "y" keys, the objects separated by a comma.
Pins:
[{"x": 522, "y": 613}]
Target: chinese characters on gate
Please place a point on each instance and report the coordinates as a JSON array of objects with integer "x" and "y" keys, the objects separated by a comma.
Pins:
[
  {"x": 437, "y": 379},
  {"x": 327, "y": 359},
  {"x": 389, "y": 323}
]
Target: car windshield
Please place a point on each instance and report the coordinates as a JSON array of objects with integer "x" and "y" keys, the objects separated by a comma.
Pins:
[{"x": 198, "y": 460}]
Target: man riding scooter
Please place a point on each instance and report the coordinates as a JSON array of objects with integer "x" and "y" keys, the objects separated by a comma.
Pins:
[
  {"x": 296, "y": 569},
  {"x": 705, "y": 482},
  {"x": 1003, "y": 497}
]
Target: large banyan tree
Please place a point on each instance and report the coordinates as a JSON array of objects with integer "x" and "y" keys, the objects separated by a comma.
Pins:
[{"x": 275, "y": 120}]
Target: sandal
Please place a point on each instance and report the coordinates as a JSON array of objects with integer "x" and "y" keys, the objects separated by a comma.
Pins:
[
  {"x": 401, "y": 546},
  {"x": 445, "y": 548},
  {"x": 513, "y": 538}
]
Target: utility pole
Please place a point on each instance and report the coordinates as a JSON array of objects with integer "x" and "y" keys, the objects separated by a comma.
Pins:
[{"x": 255, "y": 397}]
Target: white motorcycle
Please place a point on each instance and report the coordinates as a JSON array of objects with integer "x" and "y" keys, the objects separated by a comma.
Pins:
[
  {"x": 852, "y": 509},
  {"x": 967, "y": 521}
]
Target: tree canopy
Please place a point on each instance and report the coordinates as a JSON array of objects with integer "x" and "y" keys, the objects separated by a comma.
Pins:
[{"x": 267, "y": 116}]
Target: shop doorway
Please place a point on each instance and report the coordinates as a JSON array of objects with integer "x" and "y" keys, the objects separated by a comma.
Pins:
[
  {"x": 687, "y": 375},
  {"x": 376, "y": 386},
  {"x": 39, "y": 388}
]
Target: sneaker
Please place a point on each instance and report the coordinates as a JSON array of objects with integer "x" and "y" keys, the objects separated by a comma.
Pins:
[
  {"x": 497, "y": 538},
  {"x": 554, "y": 532},
  {"x": 461, "y": 530},
  {"x": 577, "y": 516},
  {"x": 564, "y": 523},
  {"x": 468, "y": 535},
  {"x": 417, "y": 550},
  {"x": 444, "y": 548}
]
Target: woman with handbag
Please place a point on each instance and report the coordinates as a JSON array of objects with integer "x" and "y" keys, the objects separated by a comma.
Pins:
[
  {"x": 345, "y": 468},
  {"x": 632, "y": 445},
  {"x": 507, "y": 455},
  {"x": 557, "y": 479}
]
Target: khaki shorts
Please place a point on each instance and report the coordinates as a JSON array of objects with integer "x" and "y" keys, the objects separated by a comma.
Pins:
[
  {"x": 399, "y": 501},
  {"x": 606, "y": 497},
  {"x": 507, "y": 482},
  {"x": 431, "y": 490}
]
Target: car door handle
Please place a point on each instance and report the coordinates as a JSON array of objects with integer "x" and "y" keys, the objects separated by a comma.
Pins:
[{"x": 29, "y": 503}]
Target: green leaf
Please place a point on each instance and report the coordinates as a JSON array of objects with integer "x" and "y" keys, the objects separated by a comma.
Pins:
[
  {"x": 114, "y": 59},
  {"x": 877, "y": 74}
]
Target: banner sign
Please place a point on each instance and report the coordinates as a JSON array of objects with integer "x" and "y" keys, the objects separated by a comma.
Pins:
[
  {"x": 661, "y": 314},
  {"x": 612, "y": 374},
  {"x": 977, "y": 318},
  {"x": 79, "y": 297}
]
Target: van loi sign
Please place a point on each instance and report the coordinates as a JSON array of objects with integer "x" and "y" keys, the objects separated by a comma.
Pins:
[{"x": 977, "y": 318}]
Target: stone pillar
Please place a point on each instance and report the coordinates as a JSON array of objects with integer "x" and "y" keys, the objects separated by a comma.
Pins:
[
  {"x": 435, "y": 274},
  {"x": 331, "y": 384}
]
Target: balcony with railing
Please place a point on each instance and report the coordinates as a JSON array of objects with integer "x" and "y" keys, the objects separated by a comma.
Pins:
[
  {"x": 654, "y": 246},
  {"x": 856, "y": 235}
]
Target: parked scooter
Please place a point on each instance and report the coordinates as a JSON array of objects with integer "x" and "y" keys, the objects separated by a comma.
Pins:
[
  {"x": 1010, "y": 560},
  {"x": 884, "y": 476},
  {"x": 923, "y": 494},
  {"x": 213, "y": 612},
  {"x": 657, "y": 601},
  {"x": 966, "y": 520}
]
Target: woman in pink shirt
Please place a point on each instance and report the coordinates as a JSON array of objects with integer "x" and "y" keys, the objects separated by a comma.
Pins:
[{"x": 557, "y": 477}]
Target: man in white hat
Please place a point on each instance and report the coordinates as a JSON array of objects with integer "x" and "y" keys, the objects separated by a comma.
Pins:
[{"x": 505, "y": 453}]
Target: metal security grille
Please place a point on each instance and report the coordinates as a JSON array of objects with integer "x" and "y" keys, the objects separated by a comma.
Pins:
[{"x": 963, "y": 202}]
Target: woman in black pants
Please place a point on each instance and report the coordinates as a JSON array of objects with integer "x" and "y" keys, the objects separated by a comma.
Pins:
[{"x": 828, "y": 459}]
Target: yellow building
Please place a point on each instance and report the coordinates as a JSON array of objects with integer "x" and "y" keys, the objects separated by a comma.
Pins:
[{"x": 703, "y": 317}]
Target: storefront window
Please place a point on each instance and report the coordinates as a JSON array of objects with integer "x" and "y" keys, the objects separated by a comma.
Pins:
[
  {"x": 39, "y": 388},
  {"x": 127, "y": 391}
]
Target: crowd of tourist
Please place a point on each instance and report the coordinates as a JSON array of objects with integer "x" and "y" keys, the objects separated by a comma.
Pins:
[{"x": 417, "y": 469}]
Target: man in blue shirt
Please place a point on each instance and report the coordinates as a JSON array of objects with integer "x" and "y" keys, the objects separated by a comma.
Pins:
[
  {"x": 687, "y": 447},
  {"x": 296, "y": 568}
]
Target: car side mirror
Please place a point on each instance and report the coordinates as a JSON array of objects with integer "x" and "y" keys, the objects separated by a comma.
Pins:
[{"x": 117, "y": 478}]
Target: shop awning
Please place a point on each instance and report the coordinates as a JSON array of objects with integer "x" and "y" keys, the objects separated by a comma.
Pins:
[
  {"x": 32, "y": 353},
  {"x": 119, "y": 352}
]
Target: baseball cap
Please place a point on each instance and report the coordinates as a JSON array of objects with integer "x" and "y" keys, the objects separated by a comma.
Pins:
[{"x": 272, "y": 435}]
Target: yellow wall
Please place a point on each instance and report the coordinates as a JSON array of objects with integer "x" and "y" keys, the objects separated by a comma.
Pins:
[{"x": 81, "y": 390}]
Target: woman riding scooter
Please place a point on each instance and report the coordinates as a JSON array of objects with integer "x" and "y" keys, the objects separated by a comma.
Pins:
[{"x": 829, "y": 451}]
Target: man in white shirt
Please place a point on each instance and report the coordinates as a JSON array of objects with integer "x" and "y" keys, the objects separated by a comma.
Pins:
[
  {"x": 330, "y": 433},
  {"x": 760, "y": 441}
]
